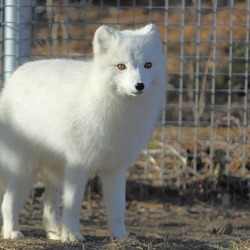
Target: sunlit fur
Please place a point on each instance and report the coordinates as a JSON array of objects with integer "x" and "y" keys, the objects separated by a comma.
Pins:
[{"x": 70, "y": 118}]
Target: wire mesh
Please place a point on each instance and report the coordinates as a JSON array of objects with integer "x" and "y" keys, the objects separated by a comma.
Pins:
[
  {"x": 1, "y": 39},
  {"x": 203, "y": 130}
]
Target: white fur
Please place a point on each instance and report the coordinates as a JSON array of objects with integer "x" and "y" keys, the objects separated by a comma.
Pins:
[{"x": 71, "y": 118}]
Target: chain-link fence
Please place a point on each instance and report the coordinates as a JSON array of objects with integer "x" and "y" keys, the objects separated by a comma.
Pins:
[{"x": 203, "y": 132}]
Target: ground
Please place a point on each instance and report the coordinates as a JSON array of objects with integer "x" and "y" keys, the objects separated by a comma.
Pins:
[{"x": 173, "y": 222}]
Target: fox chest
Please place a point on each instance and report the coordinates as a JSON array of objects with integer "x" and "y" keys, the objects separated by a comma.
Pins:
[{"x": 113, "y": 143}]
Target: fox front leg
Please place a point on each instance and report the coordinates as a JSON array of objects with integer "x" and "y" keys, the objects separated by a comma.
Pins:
[
  {"x": 74, "y": 185},
  {"x": 114, "y": 188}
]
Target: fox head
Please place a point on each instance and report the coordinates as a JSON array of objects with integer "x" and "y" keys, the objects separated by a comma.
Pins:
[{"x": 132, "y": 61}]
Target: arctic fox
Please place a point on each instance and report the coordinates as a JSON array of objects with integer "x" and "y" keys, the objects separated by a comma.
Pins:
[{"x": 71, "y": 118}]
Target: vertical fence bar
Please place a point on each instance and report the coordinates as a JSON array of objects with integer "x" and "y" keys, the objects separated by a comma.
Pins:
[
  {"x": 118, "y": 6},
  {"x": 10, "y": 23},
  {"x": 212, "y": 91},
  {"x": 1, "y": 43},
  {"x": 24, "y": 31},
  {"x": 150, "y": 7},
  {"x": 245, "y": 101},
  {"x": 65, "y": 24},
  {"x": 17, "y": 21},
  {"x": 197, "y": 80},
  {"x": 230, "y": 74},
  {"x": 134, "y": 13},
  {"x": 163, "y": 117},
  {"x": 181, "y": 75}
]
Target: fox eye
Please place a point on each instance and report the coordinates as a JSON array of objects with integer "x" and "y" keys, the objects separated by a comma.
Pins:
[
  {"x": 121, "y": 66},
  {"x": 148, "y": 65}
]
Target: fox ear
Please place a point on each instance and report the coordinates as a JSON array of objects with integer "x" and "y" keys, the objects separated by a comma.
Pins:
[
  {"x": 150, "y": 29},
  {"x": 103, "y": 39}
]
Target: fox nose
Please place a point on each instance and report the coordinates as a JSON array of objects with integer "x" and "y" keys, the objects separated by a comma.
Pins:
[{"x": 139, "y": 86}]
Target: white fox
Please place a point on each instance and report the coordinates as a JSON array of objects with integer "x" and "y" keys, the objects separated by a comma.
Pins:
[{"x": 71, "y": 118}]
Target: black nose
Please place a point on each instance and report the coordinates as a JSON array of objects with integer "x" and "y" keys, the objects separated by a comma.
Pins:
[{"x": 139, "y": 86}]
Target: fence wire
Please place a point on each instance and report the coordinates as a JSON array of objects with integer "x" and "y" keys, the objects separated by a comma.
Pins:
[{"x": 203, "y": 130}]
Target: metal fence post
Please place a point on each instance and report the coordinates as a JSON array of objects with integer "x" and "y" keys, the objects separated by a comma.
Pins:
[
  {"x": 17, "y": 34},
  {"x": 1, "y": 42},
  {"x": 10, "y": 24}
]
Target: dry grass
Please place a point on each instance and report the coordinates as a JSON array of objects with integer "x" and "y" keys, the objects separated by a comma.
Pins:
[
  {"x": 202, "y": 153},
  {"x": 222, "y": 243}
]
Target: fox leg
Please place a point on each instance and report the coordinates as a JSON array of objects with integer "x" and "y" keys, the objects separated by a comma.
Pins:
[
  {"x": 17, "y": 190},
  {"x": 74, "y": 185},
  {"x": 51, "y": 208},
  {"x": 2, "y": 191},
  {"x": 114, "y": 185}
]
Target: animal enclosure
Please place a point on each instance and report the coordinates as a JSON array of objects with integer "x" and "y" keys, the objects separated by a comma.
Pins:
[
  {"x": 200, "y": 147},
  {"x": 203, "y": 130}
]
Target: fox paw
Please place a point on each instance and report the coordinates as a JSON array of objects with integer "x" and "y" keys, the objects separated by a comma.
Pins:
[
  {"x": 15, "y": 235},
  {"x": 72, "y": 237},
  {"x": 53, "y": 236},
  {"x": 129, "y": 239}
]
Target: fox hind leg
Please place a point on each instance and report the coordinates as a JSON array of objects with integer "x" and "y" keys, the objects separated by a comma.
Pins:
[
  {"x": 17, "y": 190},
  {"x": 2, "y": 191},
  {"x": 51, "y": 208}
]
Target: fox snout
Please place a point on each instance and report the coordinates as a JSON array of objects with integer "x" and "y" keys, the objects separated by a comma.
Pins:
[{"x": 139, "y": 86}]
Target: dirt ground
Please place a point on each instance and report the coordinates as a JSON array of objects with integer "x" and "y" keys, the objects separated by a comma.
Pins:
[{"x": 173, "y": 222}]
